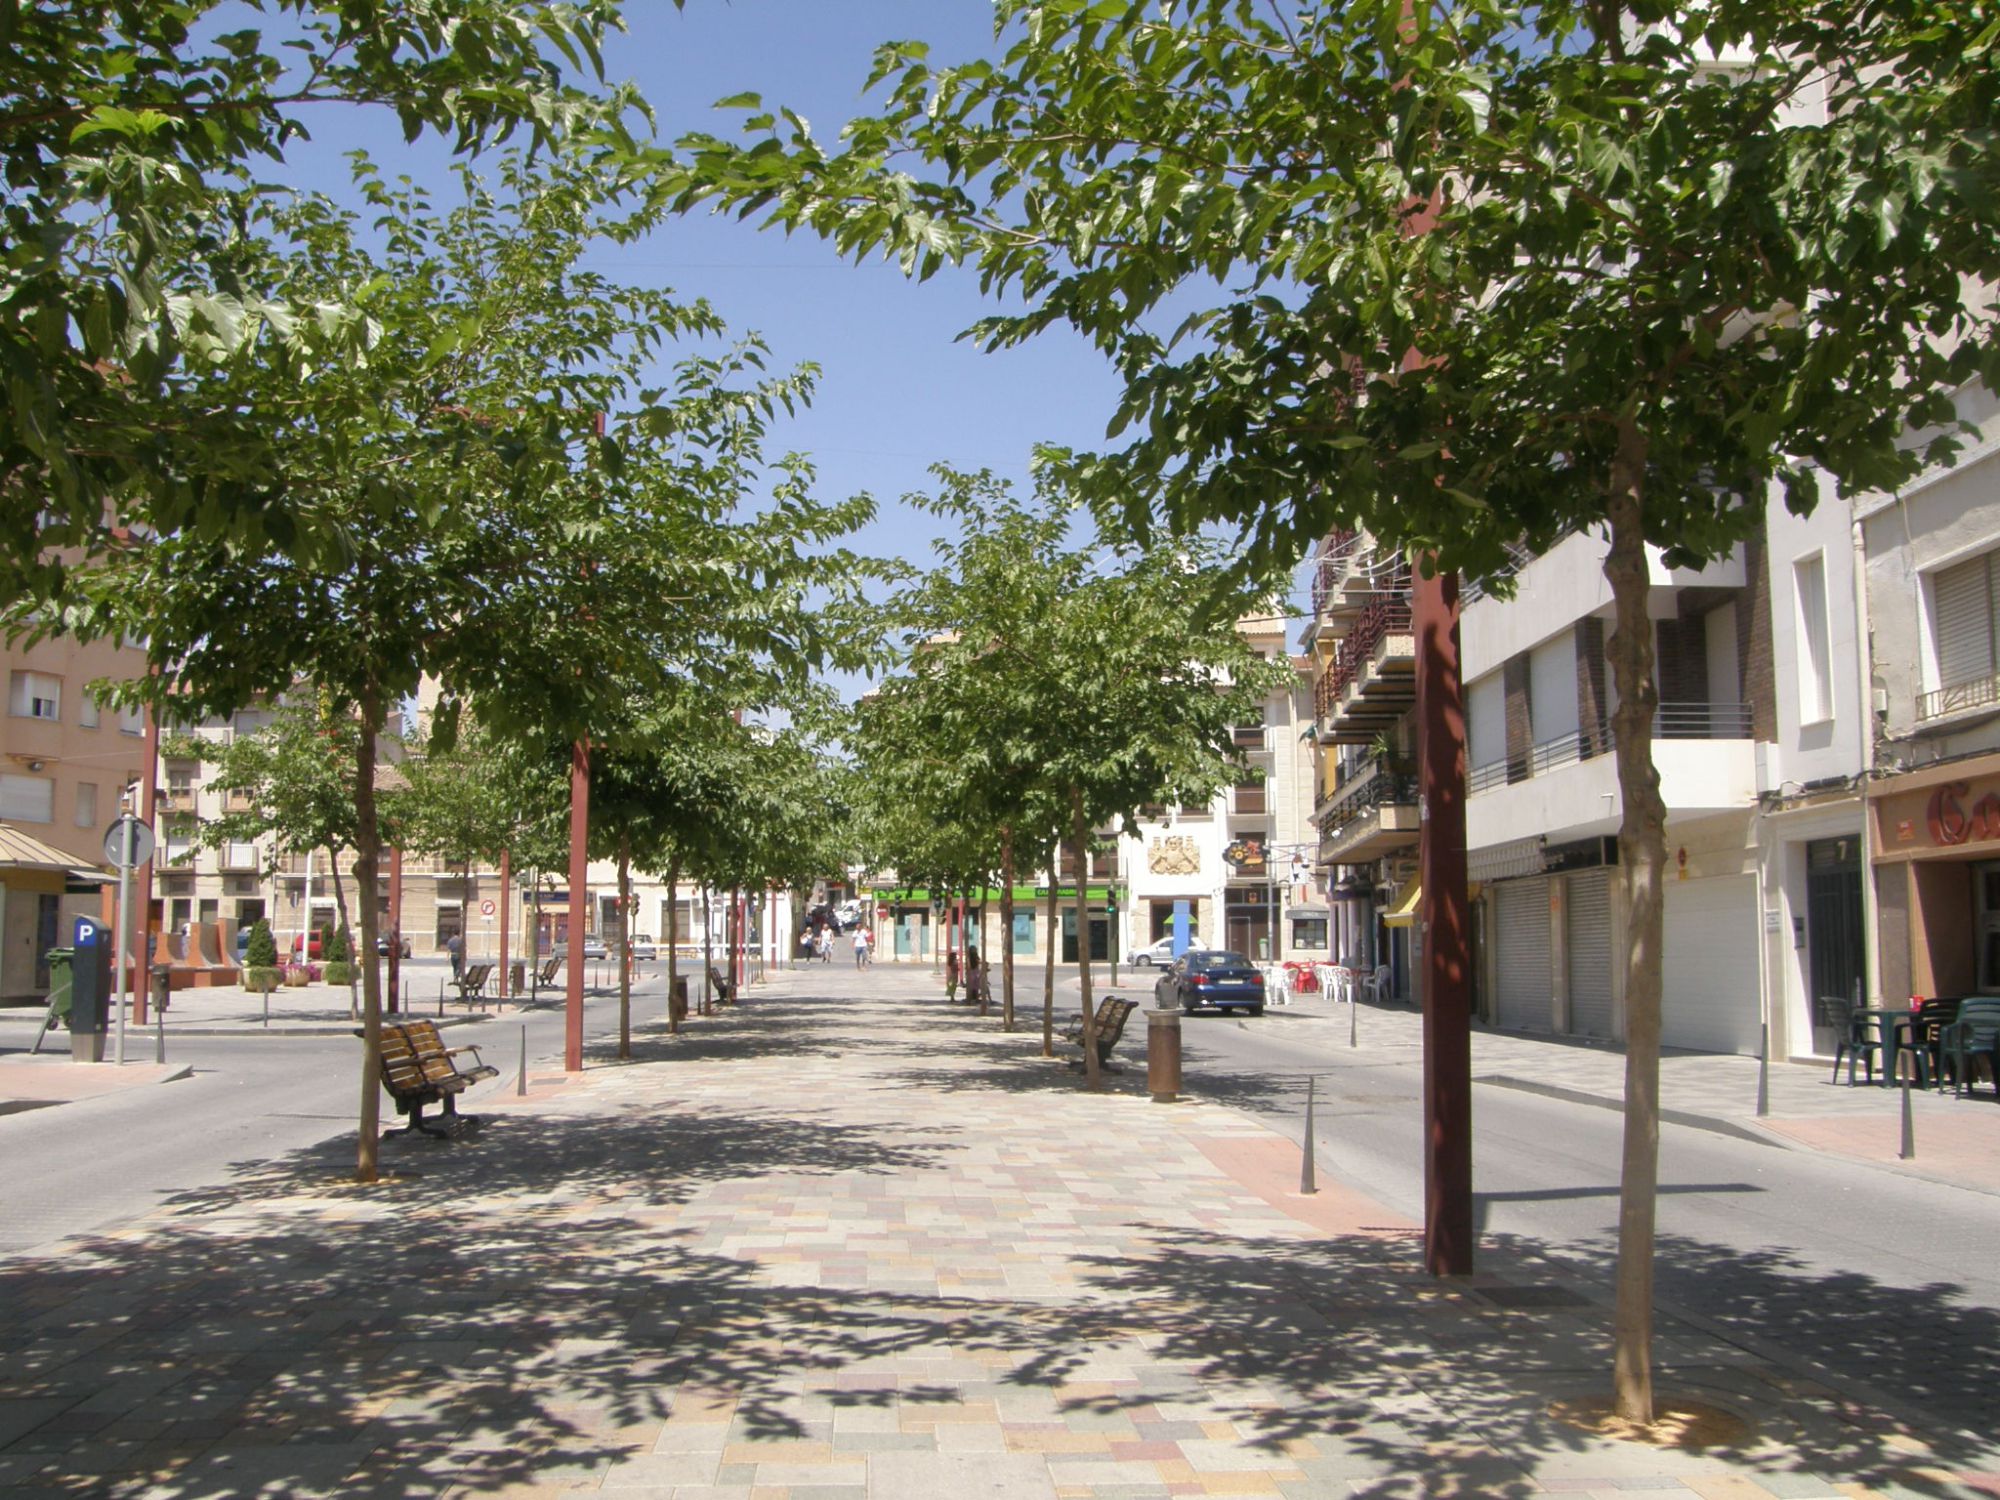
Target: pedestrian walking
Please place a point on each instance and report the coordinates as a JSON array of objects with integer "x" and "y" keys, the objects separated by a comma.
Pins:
[
  {"x": 863, "y": 948},
  {"x": 826, "y": 945},
  {"x": 454, "y": 946},
  {"x": 951, "y": 975}
]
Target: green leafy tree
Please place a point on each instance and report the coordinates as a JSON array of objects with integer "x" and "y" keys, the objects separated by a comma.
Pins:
[
  {"x": 523, "y": 516},
  {"x": 1066, "y": 688},
  {"x": 130, "y": 137},
  {"x": 1465, "y": 275},
  {"x": 292, "y": 779}
]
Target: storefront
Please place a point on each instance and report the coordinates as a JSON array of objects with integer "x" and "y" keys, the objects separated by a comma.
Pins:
[{"x": 1937, "y": 879}]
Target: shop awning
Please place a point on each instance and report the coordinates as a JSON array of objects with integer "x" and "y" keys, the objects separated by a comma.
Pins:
[
  {"x": 21, "y": 850},
  {"x": 1404, "y": 914}
]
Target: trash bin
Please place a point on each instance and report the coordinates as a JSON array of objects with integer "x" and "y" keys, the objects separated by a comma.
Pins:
[
  {"x": 59, "y": 984},
  {"x": 517, "y": 978},
  {"x": 163, "y": 988}
]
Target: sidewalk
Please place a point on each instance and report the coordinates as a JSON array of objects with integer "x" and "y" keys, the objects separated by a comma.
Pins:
[{"x": 845, "y": 1242}]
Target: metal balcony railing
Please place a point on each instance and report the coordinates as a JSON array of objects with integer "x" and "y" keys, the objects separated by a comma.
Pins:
[
  {"x": 1389, "y": 614},
  {"x": 1671, "y": 721},
  {"x": 1398, "y": 790},
  {"x": 1958, "y": 697}
]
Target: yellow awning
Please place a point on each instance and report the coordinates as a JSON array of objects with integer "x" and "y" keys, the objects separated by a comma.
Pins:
[{"x": 1404, "y": 912}]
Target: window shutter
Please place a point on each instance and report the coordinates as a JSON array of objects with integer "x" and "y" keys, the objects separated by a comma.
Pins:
[{"x": 1963, "y": 597}]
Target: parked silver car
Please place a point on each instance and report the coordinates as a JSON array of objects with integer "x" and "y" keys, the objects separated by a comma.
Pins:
[{"x": 1160, "y": 954}]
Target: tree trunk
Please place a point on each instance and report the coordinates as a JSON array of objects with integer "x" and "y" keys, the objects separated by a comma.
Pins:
[
  {"x": 1642, "y": 855},
  {"x": 368, "y": 838},
  {"x": 1006, "y": 929},
  {"x": 1093, "y": 1076},
  {"x": 1049, "y": 957},
  {"x": 672, "y": 940},
  {"x": 623, "y": 957}
]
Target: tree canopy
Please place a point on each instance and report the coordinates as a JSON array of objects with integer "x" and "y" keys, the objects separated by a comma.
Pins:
[{"x": 130, "y": 145}]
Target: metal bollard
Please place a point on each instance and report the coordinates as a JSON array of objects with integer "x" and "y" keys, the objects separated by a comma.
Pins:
[
  {"x": 521, "y": 1079},
  {"x": 1353, "y": 1015},
  {"x": 1163, "y": 1055},
  {"x": 1909, "y": 1148},
  {"x": 159, "y": 1037},
  {"x": 1308, "y": 1181},
  {"x": 1764, "y": 1073},
  {"x": 267, "y": 1008}
]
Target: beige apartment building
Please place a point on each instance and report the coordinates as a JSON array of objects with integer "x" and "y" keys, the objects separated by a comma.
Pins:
[{"x": 65, "y": 761}]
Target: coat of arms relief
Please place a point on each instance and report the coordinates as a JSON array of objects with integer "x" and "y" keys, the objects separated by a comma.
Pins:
[{"x": 1173, "y": 854}]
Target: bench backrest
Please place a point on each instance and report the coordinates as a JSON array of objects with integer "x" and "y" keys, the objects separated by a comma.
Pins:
[
  {"x": 403, "y": 1072},
  {"x": 476, "y": 975},
  {"x": 427, "y": 1047},
  {"x": 1112, "y": 1015}
]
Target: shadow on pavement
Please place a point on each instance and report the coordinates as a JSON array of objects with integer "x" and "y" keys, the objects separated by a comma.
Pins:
[{"x": 527, "y": 1308}]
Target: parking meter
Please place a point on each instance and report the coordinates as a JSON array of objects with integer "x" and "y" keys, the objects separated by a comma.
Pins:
[{"x": 90, "y": 990}]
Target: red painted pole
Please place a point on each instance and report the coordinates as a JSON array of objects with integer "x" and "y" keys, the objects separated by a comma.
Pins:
[
  {"x": 579, "y": 876},
  {"x": 1446, "y": 928},
  {"x": 506, "y": 901}
]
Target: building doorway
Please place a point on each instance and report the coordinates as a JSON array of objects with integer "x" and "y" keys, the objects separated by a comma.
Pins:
[{"x": 1833, "y": 917}]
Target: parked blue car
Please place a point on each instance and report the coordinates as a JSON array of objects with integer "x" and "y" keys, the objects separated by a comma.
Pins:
[{"x": 1219, "y": 977}]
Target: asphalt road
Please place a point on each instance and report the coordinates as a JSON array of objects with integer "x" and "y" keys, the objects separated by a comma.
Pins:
[
  {"x": 1887, "y": 1281},
  {"x": 94, "y": 1165}
]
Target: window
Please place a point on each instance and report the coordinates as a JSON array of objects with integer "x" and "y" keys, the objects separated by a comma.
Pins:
[
  {"x": 1815, "y": 661},
  {"x": 1962, "y": 601},
  {"x": 131, "y": 721},
  {"x": 35, "y": 695},
  {"x": 86, "y": 804},
  {"x": 86, "y": 712},
  {"x": 28, "y": 799},
  {"x": 1309, "y": 933}
]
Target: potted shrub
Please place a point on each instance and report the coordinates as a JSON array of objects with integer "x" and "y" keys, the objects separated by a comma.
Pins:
[
  {"x": 339, "y": 957},
  {"x": 260, "y": 959}
]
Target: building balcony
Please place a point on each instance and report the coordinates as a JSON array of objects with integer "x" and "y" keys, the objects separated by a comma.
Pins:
[
  {"x": 1372, "y": 681},
  {"x": 1371, "y": 815},
  {"x": 1568, "y": 786},
  {"x": 1567, "y": 584},
  {"x": 240, "y": 858},
  {"x": 1972, "y": 699},
  {"x": 176, "y": 799}
]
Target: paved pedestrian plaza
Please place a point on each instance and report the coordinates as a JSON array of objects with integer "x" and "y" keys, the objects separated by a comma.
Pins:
[{"x": 844, "y": 1240}]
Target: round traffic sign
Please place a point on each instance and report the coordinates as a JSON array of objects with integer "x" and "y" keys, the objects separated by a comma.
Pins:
[
  {"x": 124, "y": 855},
  {"x": 486, "y": 908}
]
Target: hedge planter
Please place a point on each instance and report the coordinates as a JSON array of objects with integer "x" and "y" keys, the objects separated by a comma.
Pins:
[
  {"x": 262, "y": 980},
  {"x": 339, "y": 973}
]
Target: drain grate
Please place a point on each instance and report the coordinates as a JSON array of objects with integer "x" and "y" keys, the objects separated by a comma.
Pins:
[{"x": 1523, "y": 1298}]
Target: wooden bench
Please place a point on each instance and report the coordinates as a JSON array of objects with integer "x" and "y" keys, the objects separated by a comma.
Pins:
[
  {"x": 723, "y": 991},
  {"x": 471, "y": 983},
  {"x": 418, "y": 1069},
  {"x": 1112, "y": 1014}
]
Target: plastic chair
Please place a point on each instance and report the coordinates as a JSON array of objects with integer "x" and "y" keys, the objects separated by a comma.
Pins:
[
  {"x": 1379, "y": 985},
  {"x": 1852, "y": 1039}
]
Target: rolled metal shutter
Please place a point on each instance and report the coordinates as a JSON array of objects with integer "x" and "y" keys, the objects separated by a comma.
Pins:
[
  {"x": 1590, "y": 953},
  {"x": 1522, "y": 936}
]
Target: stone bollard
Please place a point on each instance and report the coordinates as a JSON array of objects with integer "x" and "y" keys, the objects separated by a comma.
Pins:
[{"x": 1163, "y": 1055}]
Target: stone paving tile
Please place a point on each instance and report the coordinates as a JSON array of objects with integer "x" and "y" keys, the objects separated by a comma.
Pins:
[{"x": 839, "y": 1243}]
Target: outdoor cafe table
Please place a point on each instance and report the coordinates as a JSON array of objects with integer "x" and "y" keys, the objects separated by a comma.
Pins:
[{"x": 1892, "y": 1028}]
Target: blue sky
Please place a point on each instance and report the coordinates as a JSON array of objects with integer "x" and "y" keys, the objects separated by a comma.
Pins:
[{"x": 898, "y": 391}]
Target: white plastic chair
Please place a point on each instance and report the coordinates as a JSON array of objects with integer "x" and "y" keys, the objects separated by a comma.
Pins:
[{"x": 1379, "y": 985}]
